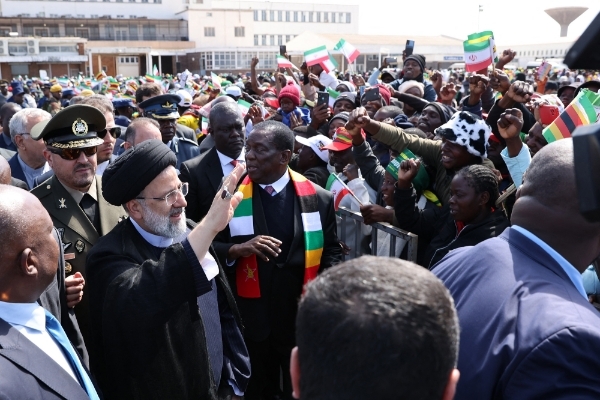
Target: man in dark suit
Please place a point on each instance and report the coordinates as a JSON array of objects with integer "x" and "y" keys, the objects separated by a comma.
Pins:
[
  {"x": 73, "y": 196},
  {"x": 204, "y": 173},
  {"x": 29, "y": 162},
  {"x": 528, "y": 330},
  {"x": 164, "y": 316},
  {"x": 36, "y": 358},
  {"x": 5, "y": 177},
  {"x": 264, "y": 248},
  {"x": 6, "y": 113}
]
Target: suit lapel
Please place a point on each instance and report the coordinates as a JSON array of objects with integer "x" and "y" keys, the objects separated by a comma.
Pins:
[
  {"x": 20, "y": 351},
  {"x": 298, "y": 228},
  {"x": 68, "y": 212},
  {"x": 15, "y": 168},
  {"x": 109, "y": 214},
  {"x": 215, "y": 172}
]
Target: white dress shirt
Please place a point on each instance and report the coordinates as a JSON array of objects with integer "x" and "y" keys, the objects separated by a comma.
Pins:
[
  {"x": 279, "y": 184},
  {"x": 30, "y": 320},
  {"x": 208, "y": 263},
  {"x": 226, "y": 165}
]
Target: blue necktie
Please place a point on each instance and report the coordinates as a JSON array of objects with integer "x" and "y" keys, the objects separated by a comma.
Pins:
[{"x": 60, "y": 337}]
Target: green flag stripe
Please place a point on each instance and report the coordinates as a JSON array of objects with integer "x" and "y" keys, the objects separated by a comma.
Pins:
[
  {"x": 320, "y": 49},
  {"x": 314, "y": 240},
  {"x": 244, "y": 209},
  {"x": 475, "y": 47}
]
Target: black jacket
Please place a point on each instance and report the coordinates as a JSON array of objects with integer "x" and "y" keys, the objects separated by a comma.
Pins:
[{"x": 437, "y": 230}]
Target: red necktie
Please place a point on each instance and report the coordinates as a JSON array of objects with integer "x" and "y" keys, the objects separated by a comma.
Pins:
[{"x": 270, "y": 190}]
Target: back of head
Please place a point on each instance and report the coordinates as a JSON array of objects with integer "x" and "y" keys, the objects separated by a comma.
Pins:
[
  {"x": 223, "y": 110},
  {"x": 133, "y": 127},
  {"x": 376, "y": 328},
  {"x": 100, "y": 102},
  {"x": 148, "y": 90}
]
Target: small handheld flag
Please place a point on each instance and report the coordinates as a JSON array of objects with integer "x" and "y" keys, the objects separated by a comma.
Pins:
[{"x": 347, "y": 50}]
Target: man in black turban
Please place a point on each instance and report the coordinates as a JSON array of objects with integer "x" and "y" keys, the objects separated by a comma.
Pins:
[{"x": 163, "y": 314}]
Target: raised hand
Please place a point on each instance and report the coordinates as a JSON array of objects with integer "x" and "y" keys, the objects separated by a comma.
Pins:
[
  {"x": 359, "y": 118},
  {"x": 448, "y": 93},
  {"x": 507, "y": 56},
  {"x": 520, "y": 92},
  {"x": 510, "y": 123},
  {"x": 407, "y": 172},
  {"x": 478, "y": 84},
  {"x": 436, "y": 80},
  {"x": 500, "y": 81}
]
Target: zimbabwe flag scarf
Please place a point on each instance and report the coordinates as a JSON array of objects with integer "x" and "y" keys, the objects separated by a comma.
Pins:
[{"x": 242, "y": 223}]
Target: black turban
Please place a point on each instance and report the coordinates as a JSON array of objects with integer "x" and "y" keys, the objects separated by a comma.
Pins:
[{"x": 124, "y": 179}]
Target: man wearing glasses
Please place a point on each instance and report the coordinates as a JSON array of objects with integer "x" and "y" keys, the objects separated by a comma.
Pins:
[
  {"x": 29, "y": 162},
  {"x": 163, "y": 315},
  {"x": 73, "y": 196}
]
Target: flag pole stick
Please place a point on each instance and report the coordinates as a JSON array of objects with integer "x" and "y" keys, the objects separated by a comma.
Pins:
[{"x": 348, "y": 189}]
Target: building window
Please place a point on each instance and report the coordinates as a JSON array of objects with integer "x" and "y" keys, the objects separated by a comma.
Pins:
[
  {"x": 348, "y": 18},
  {"x": 256, "y": 15},
  {"x": 287, "y": 38},
  {"x": 267, "y": 60},
  {"x": 333, "y": 17},
  {"x": 295, "y": 16},
  {"x": 264, "y": 40},
  {"x": 303, "y": 16},
  {"x": 287, "y": 16},
  {"x": 209, "y": 14},
  {"x": 326, "y": 17},
  {"x": 341, "y": 20},
  {"x": 157, "y": 1},
  {"x": 280, "y": 40},
  {"x": 263, "y": 15},
  {"x": 240, "y": 31},
  {"x": 256, "y": 40},
  {"x": 272, "y": 40},
  {"x": 271, "y": 15},
  {"x": 279, "y": 16},
  {"x": 209, "y": 31},
  {"x": 310, "y": 16},
  {"x": 318, "y": 16},
  {"x": 224, "y": 60}
]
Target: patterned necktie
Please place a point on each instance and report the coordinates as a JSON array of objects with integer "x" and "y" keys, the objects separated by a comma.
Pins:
[
  {"x": 60, "y": 337},
  {"x": 270, "y": 190},
  {"x": 234, "y": 163}
]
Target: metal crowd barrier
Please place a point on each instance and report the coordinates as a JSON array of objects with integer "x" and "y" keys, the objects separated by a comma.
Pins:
[{"x": 357, "y": 219}]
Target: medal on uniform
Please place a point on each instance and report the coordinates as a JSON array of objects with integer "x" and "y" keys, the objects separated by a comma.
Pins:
[
  {"x": 79, "y": 245},
  {"x": 62, "y": 203}
]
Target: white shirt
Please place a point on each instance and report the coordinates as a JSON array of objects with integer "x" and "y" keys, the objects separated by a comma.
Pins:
[
  {"x": 279, "y": 184},
  {"x": 208, "y": 263},
  {"x": 101, "y": 167},
  {"x": 328, "y": 80},
  {"x": 226, "y": 165},
  {"x": 30, "y": 320}
]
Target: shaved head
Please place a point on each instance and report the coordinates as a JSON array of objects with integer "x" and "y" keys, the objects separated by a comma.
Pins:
[
  {"x": 29, "y": 249},
  {"x": 5, "y": 172},
  {"x": 550, "y": 178}
]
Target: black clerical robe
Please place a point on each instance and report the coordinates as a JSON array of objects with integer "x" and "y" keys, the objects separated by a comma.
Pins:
[{"x": 146, "y": 320}]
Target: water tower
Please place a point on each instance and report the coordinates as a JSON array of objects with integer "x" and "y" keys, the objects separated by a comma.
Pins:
[{"x": 564, "y": 16}]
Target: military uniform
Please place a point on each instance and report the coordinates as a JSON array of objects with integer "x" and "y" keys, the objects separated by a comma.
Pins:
[{"x": 74, "y": 129}]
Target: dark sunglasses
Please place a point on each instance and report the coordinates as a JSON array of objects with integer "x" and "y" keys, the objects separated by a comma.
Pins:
[
  {"x": 73, "y": 154},
  {"x": 115, "y": 132}
]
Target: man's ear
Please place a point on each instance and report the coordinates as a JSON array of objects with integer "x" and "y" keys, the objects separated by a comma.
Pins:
[
  {"x": 286, "y": 156},
  {"x": 19, "y": 141},
  {"x": 295, "y": 373},
  {"x": 484, "y": 198},
  {"x": 450, "y": 389},
  {"x": 27, "y": 262},
  {"x": 134, "y": 208},
  {"x": 48, "y": 157}
]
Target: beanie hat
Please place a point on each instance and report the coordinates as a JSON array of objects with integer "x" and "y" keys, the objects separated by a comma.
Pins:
[
  {"x": 348, "y": 96},
  {"x": 443, "y": 110},
  {"x": 467, "y": 130},
  {"x": 384, "y": 93},
  {"x": 419, "y": 59},
  {"x": 420, "y": 182},
  {"x": 412, "y": 84},
  {"x": 344, "y": 116},
  {"x": 349, "y": 85},
  {"x": 291, "y": 92},
  {"x": 401, "y": 121}
]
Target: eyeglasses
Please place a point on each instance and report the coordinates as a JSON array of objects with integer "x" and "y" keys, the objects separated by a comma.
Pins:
[
  {"x": 172, "y": 197},
  {"x": 73, "y": 154},
  {"x": 115, "y": 132}
]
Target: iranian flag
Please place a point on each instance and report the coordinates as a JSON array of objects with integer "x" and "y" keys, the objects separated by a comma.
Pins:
[
  {"x": 283, "y": 62},
  {"x": 348, "y": 50},
  {"x": 333, "y": 95},
  {"x": 316, "y": 56},
  {"x": 330, "y": 64},
  {"x": 244, "y": 106},
  {"x": 216, "y": 81},
  {"x": 155, "y": 70},
  {"x": 337, "y": 189},
  {"x": 478, "y": 55}
]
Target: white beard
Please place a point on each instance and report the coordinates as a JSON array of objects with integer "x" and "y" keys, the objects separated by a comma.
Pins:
[{"x": 160, "y": 225}]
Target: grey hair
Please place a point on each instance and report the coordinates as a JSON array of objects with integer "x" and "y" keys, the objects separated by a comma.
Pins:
[{"x": 19, "y": 121}]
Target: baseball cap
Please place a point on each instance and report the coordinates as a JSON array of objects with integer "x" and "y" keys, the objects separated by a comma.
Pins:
[
  {"x": 233, "y": 90},
  {"x": 186, "y": 98},
  {"x": 341, "y": 140},
  {"x": 318, "y": 144}
]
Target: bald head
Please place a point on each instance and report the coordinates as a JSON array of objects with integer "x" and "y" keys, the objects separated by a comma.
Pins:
[
  {"x": 550, "y": 178},
  {"x": 224, "y": 110},
  {"x": 29, "y": 249},
  {"x": 5, "y": 172}
]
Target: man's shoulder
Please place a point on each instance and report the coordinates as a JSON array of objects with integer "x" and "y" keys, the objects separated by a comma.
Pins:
[
  {"x": 183, "y": 141},
  {"x": 44, "y": 189},
  {"x": 202, "y": 158}
]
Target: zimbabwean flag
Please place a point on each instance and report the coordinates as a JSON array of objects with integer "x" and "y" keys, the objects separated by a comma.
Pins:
[{"x": 581, "y": 111}]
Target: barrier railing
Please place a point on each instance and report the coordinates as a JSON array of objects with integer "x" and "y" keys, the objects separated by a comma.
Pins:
[{"x": 394, "y": 234}]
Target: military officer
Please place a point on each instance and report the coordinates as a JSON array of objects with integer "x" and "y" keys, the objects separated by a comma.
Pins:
[
  {"x": 163, "y": 109},
  {"x": 73, "y": 196}
]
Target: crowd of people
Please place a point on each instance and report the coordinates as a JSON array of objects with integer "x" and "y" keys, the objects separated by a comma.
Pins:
[{"x": 178, "y": 237}]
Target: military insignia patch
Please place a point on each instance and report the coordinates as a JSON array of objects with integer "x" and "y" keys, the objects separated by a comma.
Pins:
[
  {"x": 79, "y": 127},
  {"x": 62, "y": 203},
  {"x": 68, "y": 268},
  {"x": 79, "y": 246}
]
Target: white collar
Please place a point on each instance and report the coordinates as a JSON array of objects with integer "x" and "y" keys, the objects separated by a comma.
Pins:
[
  {"x": 154, "y": 240},
  {"x": 280, "y": 183},
  {"x": 227, "y": 160},
  {"x": 30, "y": 315}
]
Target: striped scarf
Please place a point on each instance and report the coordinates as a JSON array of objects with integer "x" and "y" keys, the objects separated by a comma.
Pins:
[{"x": 242, "y": 224}]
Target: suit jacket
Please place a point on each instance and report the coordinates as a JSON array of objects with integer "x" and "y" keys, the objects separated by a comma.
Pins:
[
  {"x": 54, "y": 299},
  {"x": 204, "y": 175},
  {"x": 15, "y": 169},
  {"x": 186, "y": 133},
  {"x": 29, "y": 373},
  {"x": 274, "y": 313},
  {"x": 77, "y": 233},
  {"x": 526, "y": 332},
  {"x": 147, "y": 323}
]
